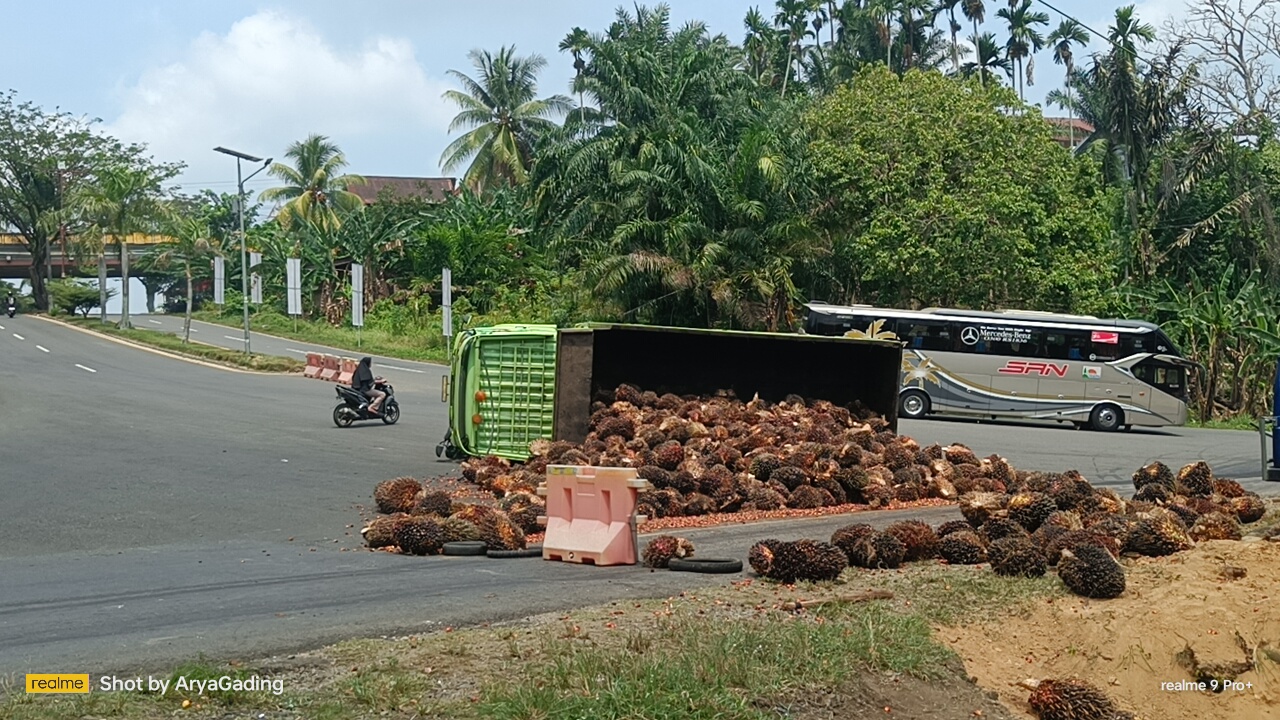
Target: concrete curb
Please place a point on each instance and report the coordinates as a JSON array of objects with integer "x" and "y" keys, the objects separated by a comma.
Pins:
[{"x": 157, "y": 351}]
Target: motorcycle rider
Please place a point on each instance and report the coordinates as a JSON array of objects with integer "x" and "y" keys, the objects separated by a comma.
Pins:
[
  {"x": 363, "y": 381},
  {"x": 12, "y": 304}
]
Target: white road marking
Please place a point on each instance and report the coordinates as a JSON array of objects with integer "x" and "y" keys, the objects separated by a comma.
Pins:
[
  {"x": 19, "y": 336},
  {"x": 42, "y": 348},
  {"x": 233, "y": 338},
  {"x": 300, "y": 352},
  {"x": 86, "y": 368},
  {"x": 155, "y": 322},
  {"x": 194, "y": 330},
  {"x": 1, "y": 327},
  {"x": 393, "y": 367}
]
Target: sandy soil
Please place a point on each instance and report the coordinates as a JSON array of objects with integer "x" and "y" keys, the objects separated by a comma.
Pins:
[{"x": 1129, "y": 645}]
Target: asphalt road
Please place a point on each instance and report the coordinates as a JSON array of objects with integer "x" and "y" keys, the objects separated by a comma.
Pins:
[{"x": 154, "y": 509}]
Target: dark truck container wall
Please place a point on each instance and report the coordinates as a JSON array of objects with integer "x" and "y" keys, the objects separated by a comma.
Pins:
[{"x": 596, "y": 360}]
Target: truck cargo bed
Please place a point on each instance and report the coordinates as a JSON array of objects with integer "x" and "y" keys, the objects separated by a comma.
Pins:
[{"x": 596, "y": 359}]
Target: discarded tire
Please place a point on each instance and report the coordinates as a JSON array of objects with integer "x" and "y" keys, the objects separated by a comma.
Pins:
[
  {"x": 533, "y": 551},
  {"x": 705, "y": 565},
  {"x": 466, "y": 547}
]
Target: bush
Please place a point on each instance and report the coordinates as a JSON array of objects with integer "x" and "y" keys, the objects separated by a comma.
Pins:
[{"x": 71, "y": 297}]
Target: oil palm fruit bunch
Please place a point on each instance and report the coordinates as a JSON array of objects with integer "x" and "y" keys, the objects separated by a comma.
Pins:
[
  {"x": 1016, "y": 556},
  {"x": 459, "y": 530},
  {"x": 1159, "y": 534},
  {"x": 877, "y": 551},
  {"x": 761, "y": 555},
  {"x": 419, "y": 535},
  {"x": 1195, "y": 479},
  {"x": 1075, "y": 539},
  {"x": 849, "y": 535},
  {"x": 1092, "y": 572},
  {"x": 962, "y": 548},
  {"x": 1030, "y": 509},
  {"x": 1154, "y": 473},
  {"x": 393, "y": 496},
  {"x": 1073, "y": 699},
  {"x": 918, "y": 540},
  {"x": 1248, "y": 507},
  {"x": 382, "y": 531},
  {"x": 1215, "y": 526},
  {"x": 432, "y": 502},
  {"x": 660, "y": 550}
]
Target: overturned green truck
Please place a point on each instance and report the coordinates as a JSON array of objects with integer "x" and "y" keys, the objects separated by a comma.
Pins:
[{"x": 509, "y": 385}]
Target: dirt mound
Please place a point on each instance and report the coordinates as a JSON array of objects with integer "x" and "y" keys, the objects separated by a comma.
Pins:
[{"x": 1220, "y": 599}]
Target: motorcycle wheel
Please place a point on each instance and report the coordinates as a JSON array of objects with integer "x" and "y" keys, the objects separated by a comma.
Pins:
[
  {"x": 343, "y": 416},
  {"x": 391, "y": 414}
]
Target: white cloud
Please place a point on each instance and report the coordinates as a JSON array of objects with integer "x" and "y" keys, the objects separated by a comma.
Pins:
[{"x": 272, "y": 80}]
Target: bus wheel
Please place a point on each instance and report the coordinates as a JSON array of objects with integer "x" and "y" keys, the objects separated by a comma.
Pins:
[
  {"x": 913, "y": 404},
  {"x": 1106, "y": 418}
]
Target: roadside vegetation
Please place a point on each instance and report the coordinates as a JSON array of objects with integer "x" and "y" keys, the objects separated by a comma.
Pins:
[
  {"x": 736, "y": 651},
  {"x": 197, "y": 350}
]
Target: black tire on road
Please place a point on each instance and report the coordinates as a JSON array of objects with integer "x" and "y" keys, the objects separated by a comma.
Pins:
[
  {"x": 466, "y": 547},
  {"x": 705, "y": 565},
  {"x": 341, "y": 418},
  {"x": 1106, "y": 418},
  {"x": 914, "y": 404},
  {"x": 533, "y": 551},
  {"x": 392, "y": 414}
]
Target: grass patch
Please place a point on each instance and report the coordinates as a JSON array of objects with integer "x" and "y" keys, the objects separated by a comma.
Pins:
[
  {"x": 423, "y": 347},
  {"x": 173, "y": 343},
  {"x": 692, "y": 668},
  {"x": 730, "y": 652},
  {"x": 1236, "y": 423}
]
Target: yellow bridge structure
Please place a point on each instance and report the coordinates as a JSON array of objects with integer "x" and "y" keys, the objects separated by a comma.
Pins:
[{"x": 15, "y": 260}]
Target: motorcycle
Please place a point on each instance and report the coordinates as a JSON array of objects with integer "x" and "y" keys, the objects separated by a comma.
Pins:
[
  {"x": 12, "y": 309},
  {"x": 355, "y": 406}
]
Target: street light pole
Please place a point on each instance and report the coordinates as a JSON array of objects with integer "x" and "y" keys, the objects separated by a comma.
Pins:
[{"x": 244, "y": 259}]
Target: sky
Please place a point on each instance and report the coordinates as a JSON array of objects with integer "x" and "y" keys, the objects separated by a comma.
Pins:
[{"x": 254, "y": 75}]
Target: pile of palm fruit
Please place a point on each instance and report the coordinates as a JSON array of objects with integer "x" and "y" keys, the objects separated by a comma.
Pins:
[
  {"x": 1041, "y": 520},
  {"x": 419, "y": 521},
  {"x": 718, "y": 454}
]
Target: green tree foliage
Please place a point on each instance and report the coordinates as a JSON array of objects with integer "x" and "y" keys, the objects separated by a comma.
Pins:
[
  {"x": 315, "y": 192},
  {"x": 45, "y": 158},
  {"x": 72, "y": 297},
  {"x": 929, "y": 206},
  {"x": 503, "y": 116}
]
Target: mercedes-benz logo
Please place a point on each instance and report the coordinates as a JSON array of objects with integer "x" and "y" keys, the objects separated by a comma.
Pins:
[{"x": 969, "y": 336}]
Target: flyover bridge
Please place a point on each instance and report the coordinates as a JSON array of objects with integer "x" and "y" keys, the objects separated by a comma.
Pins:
[{"x": 15, "y": 261}]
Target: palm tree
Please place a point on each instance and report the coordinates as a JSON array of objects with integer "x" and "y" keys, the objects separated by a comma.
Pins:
[
  {"x": 314, "y": 192},
  {"x": 976, "y": 12},
  {"x": 1068, "y": 33},
  {"x": 503, "y": 116},
  {"x": 124, "y": 200},
  {"x": 987, "y": 60},
  {"x": 577, "y": 42},
  {"x": 190, "y": 243},
  {"x": 792, "y": 17},
  {"x": 950, "y": 7},
  {"x": 1024, "y": 39}
]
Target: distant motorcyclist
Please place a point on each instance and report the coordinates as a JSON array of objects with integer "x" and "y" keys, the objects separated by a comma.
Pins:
[
  {"x": 364, "y": 381},
  {"x": 12, "y": 305}
]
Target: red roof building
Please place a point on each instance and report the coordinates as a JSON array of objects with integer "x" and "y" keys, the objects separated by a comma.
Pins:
[
  {"x": 1067, "y": 129},
  {"x": 400, "y": 188}
]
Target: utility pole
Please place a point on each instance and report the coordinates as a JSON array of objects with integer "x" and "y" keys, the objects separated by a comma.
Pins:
[{"x": 244, "y": 258}]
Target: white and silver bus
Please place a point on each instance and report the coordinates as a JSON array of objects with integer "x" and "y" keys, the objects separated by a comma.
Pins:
[{"x": 1101, "y": 373}]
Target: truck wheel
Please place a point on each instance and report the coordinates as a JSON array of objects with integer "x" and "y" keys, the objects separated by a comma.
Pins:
[
  {"x": 1106, "y": 418},
  {"x": 914, "y": 404}
]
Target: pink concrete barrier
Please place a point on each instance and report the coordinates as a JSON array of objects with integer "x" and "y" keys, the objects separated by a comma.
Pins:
[{"x": 591, "y": 514}]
